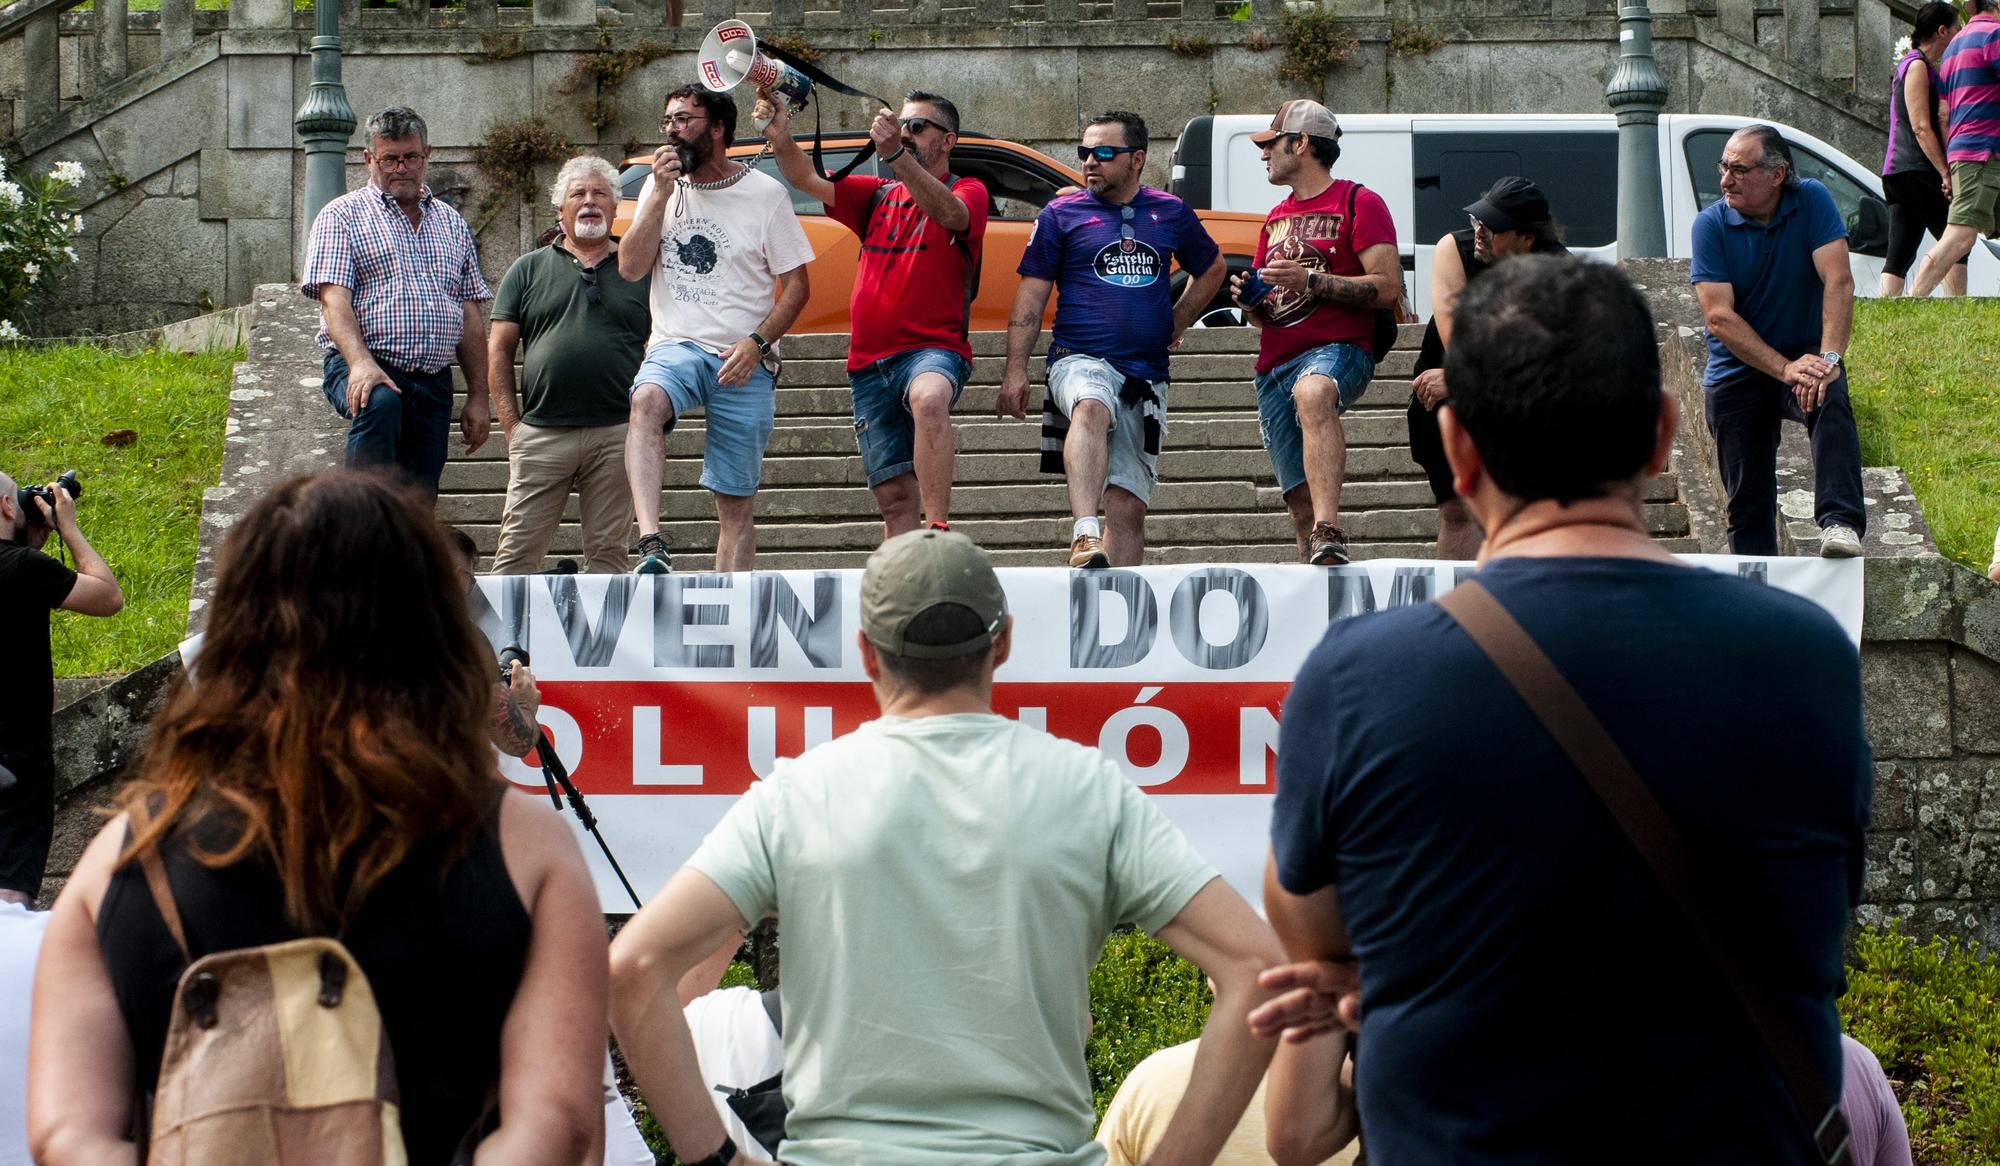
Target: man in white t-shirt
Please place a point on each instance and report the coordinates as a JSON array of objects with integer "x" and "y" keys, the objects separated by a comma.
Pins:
[
  {"x": 20, "y": 942},
  {"x": 944, "y": 879},
  {"x": 728, "y": 260}
]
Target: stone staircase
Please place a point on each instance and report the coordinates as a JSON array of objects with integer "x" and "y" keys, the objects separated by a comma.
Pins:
[{"x": 1216, "y": 501}]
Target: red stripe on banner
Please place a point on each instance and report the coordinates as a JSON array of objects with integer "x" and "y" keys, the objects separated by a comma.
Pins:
[{"x": 626, "y": 737}]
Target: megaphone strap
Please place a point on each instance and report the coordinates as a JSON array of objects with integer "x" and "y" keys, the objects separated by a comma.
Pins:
[{"x": 819, "y": 76}]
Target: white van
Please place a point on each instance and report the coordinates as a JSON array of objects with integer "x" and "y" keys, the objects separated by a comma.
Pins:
[{"x": 1429, "y": 167}]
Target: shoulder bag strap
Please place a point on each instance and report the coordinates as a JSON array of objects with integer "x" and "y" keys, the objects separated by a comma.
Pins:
[
  {"x": 1610, "y": 775},
  {"x": 155, "y": 872}
]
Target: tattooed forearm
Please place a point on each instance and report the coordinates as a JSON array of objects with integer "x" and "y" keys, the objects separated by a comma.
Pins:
[
  {"x": 1358, "y": 293},
  {"x": 513, "y": 732}
]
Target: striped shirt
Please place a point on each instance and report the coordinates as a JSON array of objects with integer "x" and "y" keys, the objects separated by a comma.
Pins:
[
  {"x": 409, "y": 283},
  {"x": 1969, "y": 78}
]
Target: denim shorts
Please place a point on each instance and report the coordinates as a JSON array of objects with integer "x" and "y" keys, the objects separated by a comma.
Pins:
[
  {"x": 1075, "y": 379},
  {"x": 739, "y": 417},
  {"x": 1349, "y": 367},
  {"x": 883, "y": 427}
]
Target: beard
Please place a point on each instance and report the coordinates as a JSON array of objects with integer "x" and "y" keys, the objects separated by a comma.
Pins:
[
  {"x": 694, "y": 152},
  {"x": 595, "y": 227}
]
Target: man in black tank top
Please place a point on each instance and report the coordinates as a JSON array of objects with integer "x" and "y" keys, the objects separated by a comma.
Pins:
[{"x": 1511, "y": 218}]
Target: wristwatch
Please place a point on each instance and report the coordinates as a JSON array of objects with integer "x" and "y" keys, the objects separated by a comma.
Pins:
[
  {"x": 1832, "y": 358},
  {"x": 764, "y": 346},
  {"x": 723, "y": 1156}
]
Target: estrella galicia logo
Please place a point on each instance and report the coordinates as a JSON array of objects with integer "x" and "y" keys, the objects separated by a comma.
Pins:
[{"x": 1128, "y": 263}]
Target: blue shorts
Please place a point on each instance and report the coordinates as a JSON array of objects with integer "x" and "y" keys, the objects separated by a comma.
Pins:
[
  {"x": 882, "y": 425},
  {"x": 739, "y": 418},
  {"x": 1349, "y": 367}
]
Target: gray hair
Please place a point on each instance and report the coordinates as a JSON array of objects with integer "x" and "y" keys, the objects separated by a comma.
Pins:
[
  {"x": 582, "y": 166},
  {"x": 396, "y": 123},
  {"x": 1772, "y": 150}
]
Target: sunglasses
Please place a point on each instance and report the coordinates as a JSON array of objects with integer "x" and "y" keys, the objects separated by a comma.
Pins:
[
  {"x": 917, "y": 125},
  {"x": 590, "y": 291},
  {"x": 1124, "y": 220},
  {"x": 1103, "y": 153}
]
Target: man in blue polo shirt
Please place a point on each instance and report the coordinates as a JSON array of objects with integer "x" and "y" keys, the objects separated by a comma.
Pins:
[
  {"x": 1770, "y": 268},
  {"x": 1108, "y": 249}
]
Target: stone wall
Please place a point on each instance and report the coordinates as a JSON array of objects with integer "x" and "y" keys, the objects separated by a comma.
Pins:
[{"x": 196, "y": 184}]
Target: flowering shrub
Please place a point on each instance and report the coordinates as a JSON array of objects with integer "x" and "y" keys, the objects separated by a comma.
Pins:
[{"x": 37, "y": 231}]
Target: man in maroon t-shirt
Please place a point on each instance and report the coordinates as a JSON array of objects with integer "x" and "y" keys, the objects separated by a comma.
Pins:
[
  {"x": 1328, "y": 252},
  {"x": 908, "y": 357}
]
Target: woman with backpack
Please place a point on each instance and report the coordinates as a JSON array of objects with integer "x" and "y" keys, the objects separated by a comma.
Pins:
[{"x": 321, "y": 929}]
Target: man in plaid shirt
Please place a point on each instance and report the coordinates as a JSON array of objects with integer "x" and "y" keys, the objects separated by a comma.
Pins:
[{"x": 397, "y": 278}]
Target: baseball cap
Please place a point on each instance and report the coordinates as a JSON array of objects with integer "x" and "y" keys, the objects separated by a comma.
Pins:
[
  {"x": 916, "y": 571},
  {"x": 1299, "y": 117},
  {"x": 1510, "y": 204}
]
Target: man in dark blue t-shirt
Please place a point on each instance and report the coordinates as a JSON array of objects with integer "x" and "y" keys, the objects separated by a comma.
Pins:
[
  {"x": 1108, "y": 251},
  {"x": 1528, "y": 991},
  {"x": 1770, "y": 269}
]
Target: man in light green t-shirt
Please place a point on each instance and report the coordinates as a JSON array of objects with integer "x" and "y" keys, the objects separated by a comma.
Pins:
[{"x": 945, "y": 879}]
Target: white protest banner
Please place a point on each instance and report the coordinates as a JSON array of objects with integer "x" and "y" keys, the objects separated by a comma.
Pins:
[{"x": 666, "y": 696}]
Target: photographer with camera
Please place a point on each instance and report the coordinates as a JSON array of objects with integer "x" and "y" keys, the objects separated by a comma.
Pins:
[{"x": 31, "y": 585}]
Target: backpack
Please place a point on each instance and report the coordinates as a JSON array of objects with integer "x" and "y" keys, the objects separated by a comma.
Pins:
[
  {"x": 274, "y": 1055},
  {"x": 1387, "y": 320}
]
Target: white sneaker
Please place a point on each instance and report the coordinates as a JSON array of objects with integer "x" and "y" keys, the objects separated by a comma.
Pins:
[{"x": 1839, "y": 542}]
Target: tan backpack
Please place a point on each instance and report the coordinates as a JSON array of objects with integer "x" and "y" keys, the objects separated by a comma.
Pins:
[{"x": 275, "y": 1055}]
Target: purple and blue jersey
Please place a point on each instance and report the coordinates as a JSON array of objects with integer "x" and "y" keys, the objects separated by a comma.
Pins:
[
  {"x": 1111, "y": 266},
  {"x": 1969, "y": 79}
]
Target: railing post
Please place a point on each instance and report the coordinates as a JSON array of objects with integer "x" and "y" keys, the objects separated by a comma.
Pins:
[
  {"x": 176, "y": 27},
  {"x": 41, "y": 70},
  {"x": 565, "y": 12},
  {"x": 1802, "y": 35},
  {"x": 856, "y": 13},
  {"x": 714, "y": 12},
  {"x": 1873, "y": 43},
  {"x": 112, "y": 62},
  {"x": 326, "y": 120},
  {"x": 481, "y": 13},
  {"x": 1738, "y": 18},
  {"x": 1059, "y": 11},
  {"x": 1636, "y": 94},
  {"x": 787, "y": 13}
]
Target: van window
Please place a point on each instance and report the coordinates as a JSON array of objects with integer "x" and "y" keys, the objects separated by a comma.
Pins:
[
  {"x": 1704, "y": 154},
  {"x": 1577, "y": 170}
]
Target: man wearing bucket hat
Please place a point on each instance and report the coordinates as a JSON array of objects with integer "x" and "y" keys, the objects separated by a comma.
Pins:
[
  {"x": 1511, "y": 218},
  {"x": 1326, "y": 261},
  {"x": 945, "y": 878}
]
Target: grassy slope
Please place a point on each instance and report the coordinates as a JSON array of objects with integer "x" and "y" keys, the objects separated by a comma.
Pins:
[
  {"x": 1926, "y": 385},
  {"x": 141, "y": 505}
]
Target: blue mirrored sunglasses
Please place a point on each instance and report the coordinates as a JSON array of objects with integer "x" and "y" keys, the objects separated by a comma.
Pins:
[{"x": 1102, "y": 153}]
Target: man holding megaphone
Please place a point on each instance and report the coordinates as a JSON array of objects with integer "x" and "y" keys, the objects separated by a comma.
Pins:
[
  {"x": 728, "y": 260},
  {"x": 908, "y": 357}
]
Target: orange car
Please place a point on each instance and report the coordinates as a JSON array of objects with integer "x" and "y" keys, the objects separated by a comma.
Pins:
[{"x": 1018, "y": 179}]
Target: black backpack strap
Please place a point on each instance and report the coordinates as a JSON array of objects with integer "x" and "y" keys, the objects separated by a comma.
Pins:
[
  {"x": 1610, "y": 775},
  {"x": 821, "y": 78}
]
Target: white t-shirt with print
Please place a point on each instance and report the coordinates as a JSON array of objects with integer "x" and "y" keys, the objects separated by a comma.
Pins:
[{"x": 721, "y": 253}]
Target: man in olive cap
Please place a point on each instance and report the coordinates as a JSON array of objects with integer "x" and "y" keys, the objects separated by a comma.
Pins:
[{"x": 945, "y": 879}]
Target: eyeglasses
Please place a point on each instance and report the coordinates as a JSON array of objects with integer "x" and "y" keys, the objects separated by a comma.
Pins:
[
  {"x": 1738, "y": 169},
  {"x": 1477, "y": 226},
  {"x": 681, "y": 121},
  {"x": 917, "y": 125},
  {"x": 1103, "y": 153},
  {"x": 399, "y": 161}
]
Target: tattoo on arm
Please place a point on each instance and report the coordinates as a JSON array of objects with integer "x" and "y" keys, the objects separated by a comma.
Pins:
[
  {"x": 1355, "y": 292},
  {"x": 513, "y": 733}
]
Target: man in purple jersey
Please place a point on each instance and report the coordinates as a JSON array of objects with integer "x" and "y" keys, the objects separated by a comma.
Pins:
[
  {"x": 1969, "y": 78},
  {"x": 1108, "y": 250}
]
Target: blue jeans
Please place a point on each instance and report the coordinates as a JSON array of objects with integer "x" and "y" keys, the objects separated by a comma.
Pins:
[
  {"x": 739, "y": 418},
  {"x": 1744, "y": 416},
  {"x": 1348, "y": 366},
  {"x": 883, "y": 427},
  {"x": 408, "y": 430}
]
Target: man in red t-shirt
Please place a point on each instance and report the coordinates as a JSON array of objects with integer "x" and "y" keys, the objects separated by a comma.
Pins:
[
  {"x": 1328, "y": 252},
  {"x": 909, "y": 357}
]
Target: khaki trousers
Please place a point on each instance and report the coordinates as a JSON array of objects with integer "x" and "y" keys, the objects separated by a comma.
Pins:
[{"x": 543, "y": 465}]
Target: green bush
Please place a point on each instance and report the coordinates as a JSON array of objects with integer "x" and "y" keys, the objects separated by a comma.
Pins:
[
  {"x": 1931, "y": 1013},
  {"x": 1143, "y": 998}
]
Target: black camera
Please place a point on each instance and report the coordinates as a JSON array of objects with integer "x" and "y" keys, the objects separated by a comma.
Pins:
[{"x": 26, "y": 498}]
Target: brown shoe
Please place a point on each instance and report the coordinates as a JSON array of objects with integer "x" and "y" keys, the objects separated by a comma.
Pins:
[
  {"x": 1088, "y": 551},
  {"x": 1328, "y": 546}
]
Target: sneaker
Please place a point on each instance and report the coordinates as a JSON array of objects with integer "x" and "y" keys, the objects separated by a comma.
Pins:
[
  {"x": 1839, "y": 542},
  {"x": 939, "y": 525},
  {"x": 1088, "y": 551},
  {"x": 1328, "y": 545},
  {"x": 654, "y": 560}
]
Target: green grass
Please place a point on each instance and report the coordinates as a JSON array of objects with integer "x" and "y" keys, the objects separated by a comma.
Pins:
[
  {"x": 1926, "y": 388},
  {"x": 141, "y": 504}
]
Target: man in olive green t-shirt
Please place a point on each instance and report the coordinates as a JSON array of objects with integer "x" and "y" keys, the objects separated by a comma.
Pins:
[
  {"x": 945, "y": 879},
  {"x": 585, "y": 330}
]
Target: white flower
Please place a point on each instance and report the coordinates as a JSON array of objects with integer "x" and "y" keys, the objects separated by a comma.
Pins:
[
  {"x": 31, "y": 270},
  {"x": 68, "y": 173},
  {"x": 76, "y": 224},
  {"x": 1901, "y": 50},
  {"x": 10, "y": 194},
  {"x": 8, "y": 331},
  {"x": 69, "y": 253}
]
